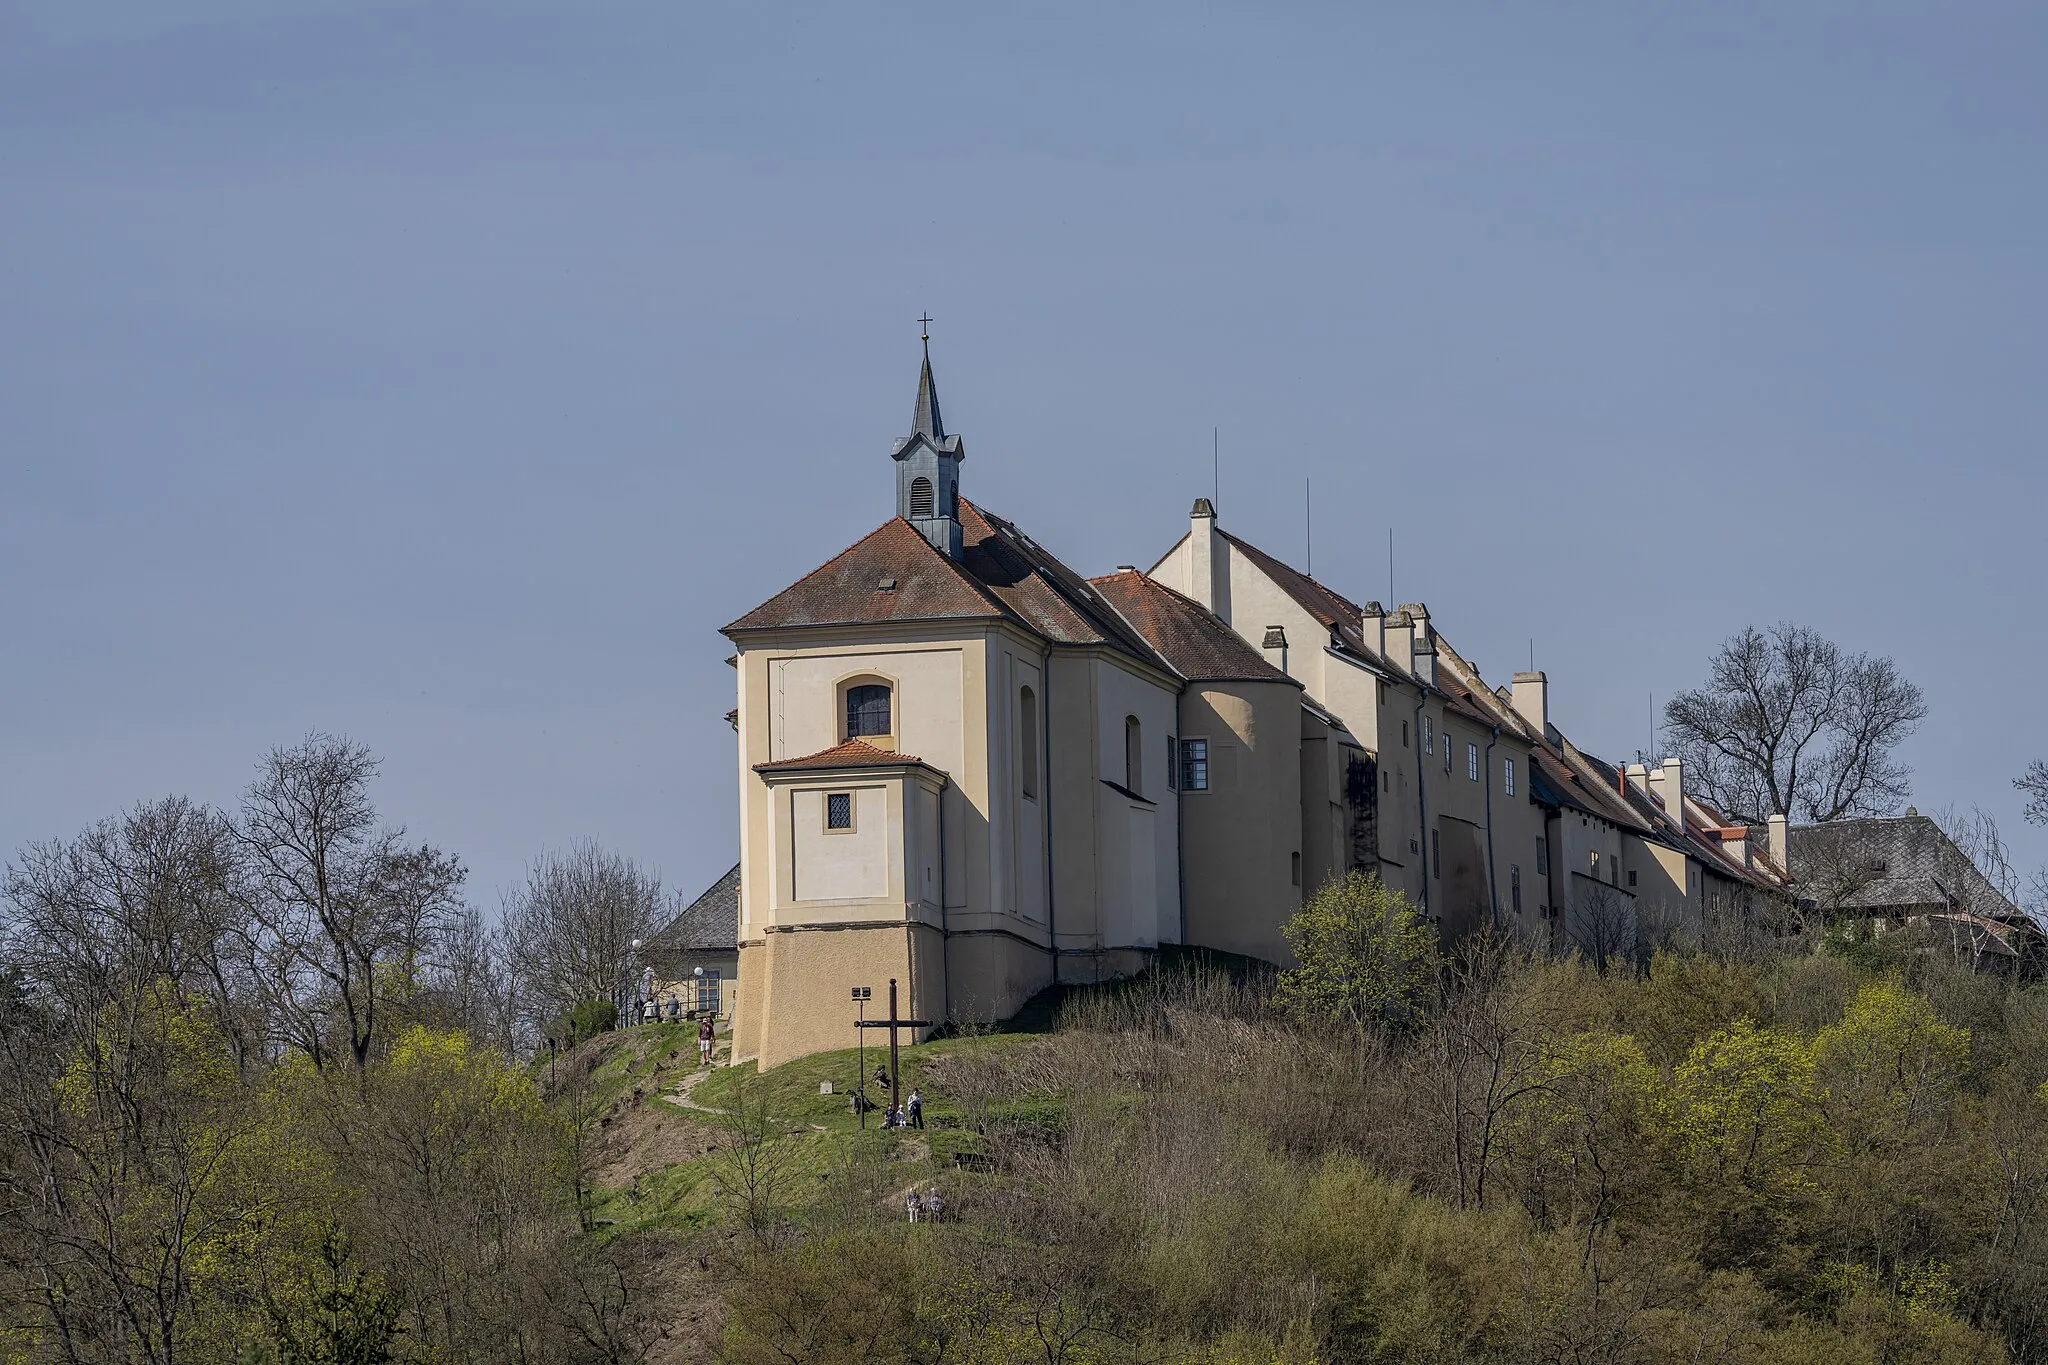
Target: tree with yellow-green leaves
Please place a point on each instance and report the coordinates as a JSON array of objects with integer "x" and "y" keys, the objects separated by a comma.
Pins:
[{"x": 1366, "y": 958}]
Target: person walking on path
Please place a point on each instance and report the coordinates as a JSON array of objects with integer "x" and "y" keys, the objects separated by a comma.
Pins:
[
  {"x": 914, "y": 1204},
  {"x": 916, "y": 1109},
  {"x": 707, "y": 1034}
]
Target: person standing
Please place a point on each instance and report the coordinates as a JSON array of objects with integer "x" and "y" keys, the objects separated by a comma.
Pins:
[
  {"x": 707, "y": 1034},
  {"x": 914, "y": 1204},
  {"x": 932, "y": 1206},
  {"x": 916, "y": 1108}
]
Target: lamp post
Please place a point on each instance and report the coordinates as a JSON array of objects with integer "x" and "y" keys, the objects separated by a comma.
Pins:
[
  {"x": 861, "y": 995},
  {"x": 627, "y": 1004}
]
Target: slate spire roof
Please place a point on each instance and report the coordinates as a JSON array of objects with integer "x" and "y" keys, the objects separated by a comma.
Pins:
[{"x": 926, "y": 421}]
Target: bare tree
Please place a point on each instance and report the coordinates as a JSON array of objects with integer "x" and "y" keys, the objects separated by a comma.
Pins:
[
  {"x": 1974, "y": 832},
  {"x": 344, "y": 908},
  {"x": 1602, "y": 925},
  {"x": 572, "y": 927},
  {"x": 2034, "y": 782},
  {"x": 1789, "y": 723}
]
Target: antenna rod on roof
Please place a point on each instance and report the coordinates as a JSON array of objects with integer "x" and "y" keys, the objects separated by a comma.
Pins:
[
  {"x": 1215, "y": 466},
  {"x": 1391, "y": 599},
  {"x": 1308, "y": 516}
]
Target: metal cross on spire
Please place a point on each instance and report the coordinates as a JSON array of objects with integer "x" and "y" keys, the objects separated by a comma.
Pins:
[{"x": 926, "y": 323}]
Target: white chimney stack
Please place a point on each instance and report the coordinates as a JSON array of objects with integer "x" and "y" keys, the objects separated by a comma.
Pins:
[
  {"x": 1532, "y": 701},
  {"x": 1781, "y": 843},
  {"x": 1373, "y": 627},
  {"x": 1203, "y": 557}
]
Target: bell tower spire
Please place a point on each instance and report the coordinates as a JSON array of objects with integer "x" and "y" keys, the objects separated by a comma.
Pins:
[{"x": 928, "y": 466}]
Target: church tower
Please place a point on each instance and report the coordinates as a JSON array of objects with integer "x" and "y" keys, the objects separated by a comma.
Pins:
[{"x": 928, "y": 470}]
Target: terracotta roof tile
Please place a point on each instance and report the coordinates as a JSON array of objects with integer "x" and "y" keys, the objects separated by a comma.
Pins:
[
  {"x": 848, "y": 589},
  {"x": 1190, "y": 637},
  {"x": 1002, "y": 574},
  {"x": 852, "y": 753}
]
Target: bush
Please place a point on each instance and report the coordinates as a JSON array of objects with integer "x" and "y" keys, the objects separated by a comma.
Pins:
[{"x": 585, "y": 1020}]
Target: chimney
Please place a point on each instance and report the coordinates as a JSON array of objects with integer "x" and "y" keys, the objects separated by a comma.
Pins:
[
  {"x": 1781, "y": 843},
  {"x": 1373, "y": 627},
  {"x": 1422, "y": 646},
  {"x": 1275, "y": 646},
  {"x": 1398, "y": 638},
  {"x": 1637, "y": 776},
  {"x": 1667, "y": 784},
  {"x": 1203, "y": 558},
  {"x": 1532, "y": 701}
]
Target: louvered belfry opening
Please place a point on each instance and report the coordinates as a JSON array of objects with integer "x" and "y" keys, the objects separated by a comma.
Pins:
[{"x": 920, "y": 497}]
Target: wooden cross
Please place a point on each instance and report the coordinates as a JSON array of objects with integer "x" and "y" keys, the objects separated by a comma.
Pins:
[
  {"x": 892, "y": 1023},
  {"x": 926, "y": 323}
]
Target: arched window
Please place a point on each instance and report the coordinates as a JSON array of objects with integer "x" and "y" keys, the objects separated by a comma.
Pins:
[
  {"x": 1027, "y": 741},
  {"x": 920, "y": 496},
  {"x": 1134, "y": 755},
  {"x": 867, "y": 710}
]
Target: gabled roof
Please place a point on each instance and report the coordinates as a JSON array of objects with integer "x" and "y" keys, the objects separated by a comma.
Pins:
[
  {"x": 890, "y": 574},
  {"x": 1337, "y": 612},
  {"x": 1193, "y": 640},
  {"x": 851, "y": 753},
  {"x": 710, "y": 924},
  {"x": 1893, "y": 862},
  {"x": 894, "y": 574}
]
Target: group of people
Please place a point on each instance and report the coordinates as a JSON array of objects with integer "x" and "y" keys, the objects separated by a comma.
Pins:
[
  {"x": 910, "y": 1115},
  {"x": 926, "y": 1207}
]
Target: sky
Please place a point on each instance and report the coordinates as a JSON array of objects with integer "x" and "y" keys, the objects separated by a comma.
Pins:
[{"x": 445, "y": 374}]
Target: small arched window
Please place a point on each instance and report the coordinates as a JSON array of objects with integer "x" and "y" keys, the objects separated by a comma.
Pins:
[
  {"x": 867, "y": 710},
  {"x": 1134, "y": 755},
  {"x": 920, "y": 496},
  {"x": 1027, "y": 742}
]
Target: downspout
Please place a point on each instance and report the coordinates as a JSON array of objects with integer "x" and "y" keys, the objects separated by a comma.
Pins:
[
  {"x": 1422, "y": 805},
  {"x": 1492, "y": 888},
  {"x": 945, "y": 928},
  {"x": 1180, "y": 811},
  {"x": 1052, "y": 923}
]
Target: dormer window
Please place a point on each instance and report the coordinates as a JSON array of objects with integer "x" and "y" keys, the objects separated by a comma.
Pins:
[{"x": 867, "y": 711}]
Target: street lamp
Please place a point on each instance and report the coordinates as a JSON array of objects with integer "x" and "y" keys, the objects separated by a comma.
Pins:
[{"x": 861, "y": 996}]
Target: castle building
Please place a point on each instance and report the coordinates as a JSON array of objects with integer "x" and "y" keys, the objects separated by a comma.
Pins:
[{"x": 966, "y": 767}]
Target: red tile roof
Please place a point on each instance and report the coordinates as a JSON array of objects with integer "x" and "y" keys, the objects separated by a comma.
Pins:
[
  {"x": 852, "y": 753},
  {"x": 849, "y": 589},
  {"x": 894, "y": 574},
  {"x": 1336, "y": 611},
  {"x": 1190, "y": 637}
]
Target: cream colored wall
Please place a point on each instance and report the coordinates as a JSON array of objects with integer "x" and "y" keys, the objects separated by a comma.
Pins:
[
  {"x": 862, "y": 863},
  {"x": 1139, "y": 888},
  {"x": 1242, "y": 833},
  {"x": 789, "y": 706}
]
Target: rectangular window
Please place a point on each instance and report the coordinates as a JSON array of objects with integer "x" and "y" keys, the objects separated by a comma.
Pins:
[
  {"x": 1194, "y": 765},
  {"x": 1472, "y": 761},
  {"x": 1507, "y": 775},
  {"x": 1404, "y": 734},
  {"x": 1631, "y": 879},
  {"x": 1542, "y": 855},
  {"x": 1596, "y": 865},
  {"x": 1172, "y": 763},
  {"x": 1428, "y": 736},
  {"x": 1515, "y": 887},
  {"x": 1436, "y": 854},
  {"x": 707, "y": 991},
  {"x": 1297, "y": 869},
  {"x": 1447, "y": 752},
  {"x": 838, "y": 810}
]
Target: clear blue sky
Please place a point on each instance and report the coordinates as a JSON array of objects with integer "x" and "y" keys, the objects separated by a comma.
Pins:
[{"x": 446, "y": 373}]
